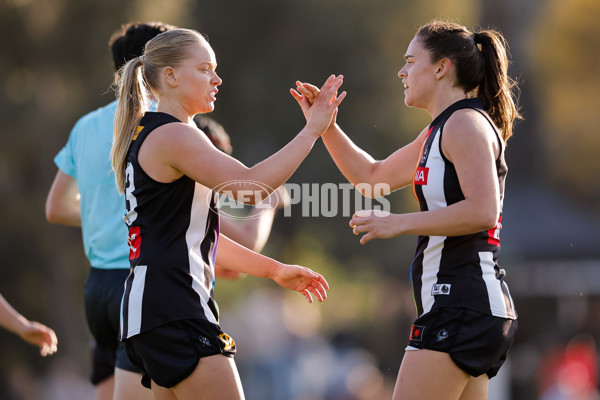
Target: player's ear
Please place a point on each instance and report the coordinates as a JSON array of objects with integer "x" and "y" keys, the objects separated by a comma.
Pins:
[
  {"x": 169, "y": 76},
  {"x": 443, "y": 66}
]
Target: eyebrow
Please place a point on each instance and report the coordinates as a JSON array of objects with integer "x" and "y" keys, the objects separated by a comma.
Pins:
[{"x": 210, "y": 64}]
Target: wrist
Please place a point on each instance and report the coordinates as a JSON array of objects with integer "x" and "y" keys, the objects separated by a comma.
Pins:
[
  {"x": 330, "y": 131},
  {"x": 310, "y": 132},
  {"x": 22, "y": 326},
  {"x": 273, "y": 269}
]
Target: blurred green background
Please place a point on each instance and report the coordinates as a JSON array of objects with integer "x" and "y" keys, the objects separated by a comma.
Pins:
[{"x": 55, "y": 66}]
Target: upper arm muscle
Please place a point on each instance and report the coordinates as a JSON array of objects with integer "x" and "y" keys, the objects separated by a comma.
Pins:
[{"x": 470, "y": 143}]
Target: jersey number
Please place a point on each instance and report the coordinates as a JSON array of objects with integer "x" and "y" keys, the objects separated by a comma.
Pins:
[{"x": 130, "y": 200}]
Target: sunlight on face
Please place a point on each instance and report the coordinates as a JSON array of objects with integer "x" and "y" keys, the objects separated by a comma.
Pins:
[
  {"x": 418, "y": 74},
  {"x": 198, "y": 79}
]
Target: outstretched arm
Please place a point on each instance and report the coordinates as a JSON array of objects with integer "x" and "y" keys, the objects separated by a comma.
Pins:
[
  {"x": 357, "y": 165},
  {"x": 30, "y": 331},
  {"x": 235, "y": 257},
  {"x": 179, "y": 149},
  {"x": 62, "y": 204}
]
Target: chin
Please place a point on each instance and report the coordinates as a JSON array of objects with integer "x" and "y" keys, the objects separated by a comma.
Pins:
[{"x": 207, "y": 109}]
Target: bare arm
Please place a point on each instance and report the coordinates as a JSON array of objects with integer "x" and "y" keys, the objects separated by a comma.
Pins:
[
  {"x": 30, "y": 331},
  {"x": 235, "y": 257},
  {"x": 179, "y": 149},
  {"x": 62, "y": 204},
  {"x": 357, "y": 165},
  {"x": 471, "y": 145},
  {"x": 251, "y": 233}
]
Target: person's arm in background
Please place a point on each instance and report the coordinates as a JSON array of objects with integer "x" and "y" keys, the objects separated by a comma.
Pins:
[
  {"x": 252, "y": 232},
  {"x": 62, "y": 204},
  {"x": 30, "y": 331}
]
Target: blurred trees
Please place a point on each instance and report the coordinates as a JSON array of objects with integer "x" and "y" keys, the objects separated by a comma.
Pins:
[
  {"x": 55, "y": 66},
  {"x": 563, "y": 50}
]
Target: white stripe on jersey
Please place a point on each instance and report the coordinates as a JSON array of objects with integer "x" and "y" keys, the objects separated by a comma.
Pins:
[
  {"x": 434, "y": 195},
  {"x": 134, "y": 309},
  {"x": 193, "y": 237},
  {"x": 431, "y": 266},
  {"x": 512, "y": 313},
  {"x": 493, "y": 285},
  {"x": 433, "y": 191}
]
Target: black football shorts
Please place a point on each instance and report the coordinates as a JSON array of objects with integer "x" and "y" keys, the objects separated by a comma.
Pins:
[
  {"x": 478, "y": 343},
  {"x": 170, "y": 353}
]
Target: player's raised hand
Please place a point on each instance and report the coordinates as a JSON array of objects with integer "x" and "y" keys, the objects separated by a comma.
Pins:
[
  {"x": 305, "y": 94},
  {"x": 320, "y": 110}
]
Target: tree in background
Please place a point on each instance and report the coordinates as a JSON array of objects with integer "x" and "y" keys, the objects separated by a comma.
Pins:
[{"x": 563, "y": 52}]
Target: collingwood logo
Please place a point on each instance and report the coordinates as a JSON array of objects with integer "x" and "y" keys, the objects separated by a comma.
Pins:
[{"x": 440, "y": 288}]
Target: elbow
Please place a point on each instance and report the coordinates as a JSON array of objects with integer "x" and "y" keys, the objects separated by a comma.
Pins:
[
  {"x": 252, "y": 196},
  {"x": 488, "y": 220},
  {"x": 57, "y": 215},
  {"x": 372, "y": 190},
  {"x": 51, "y": 213},
  {"x": 53, "y": 216}
]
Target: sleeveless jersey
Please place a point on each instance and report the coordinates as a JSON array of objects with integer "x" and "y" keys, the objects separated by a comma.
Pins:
[
  {"x": 173, "y": 235},
  {"x": 456, "y": 271}
]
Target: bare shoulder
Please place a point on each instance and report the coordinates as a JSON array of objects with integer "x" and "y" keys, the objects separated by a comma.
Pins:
[
  {"x": 177, "y": 133},
  {"x": 467, "y": 122},
  {"x": 467, "y": 128},
  {"x": 176, "y": 138}
]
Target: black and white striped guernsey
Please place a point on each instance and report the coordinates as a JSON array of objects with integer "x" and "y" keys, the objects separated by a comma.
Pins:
[
  {"x": 456, "y": 271},
  {"x": 173, "y": 235}
]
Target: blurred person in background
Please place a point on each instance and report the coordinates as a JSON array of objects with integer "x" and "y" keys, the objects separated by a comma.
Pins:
[
  {"x": 466, "y": 318},
  {"x": 163, "y": 163},
  {"x": 84, "y": 195},
  {"x": 570, "y": 372},
  {"x": 32, "y": 332}
]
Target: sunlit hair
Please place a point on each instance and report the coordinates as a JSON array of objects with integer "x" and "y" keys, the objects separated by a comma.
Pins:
[
  {"x": 136, "y": 80},
  {"x": 481, "y": 64}
]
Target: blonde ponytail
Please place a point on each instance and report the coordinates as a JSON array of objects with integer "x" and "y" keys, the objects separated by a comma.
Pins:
[{"x": 133, "y": 103}]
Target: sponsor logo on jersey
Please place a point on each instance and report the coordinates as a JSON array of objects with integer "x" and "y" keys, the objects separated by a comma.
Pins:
[
  {"x": 416, "y": 333},
  {"x": 421, "y": 175},
  {"x": 440, "y": 288},
  {"x": 134, "y": 241}
]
